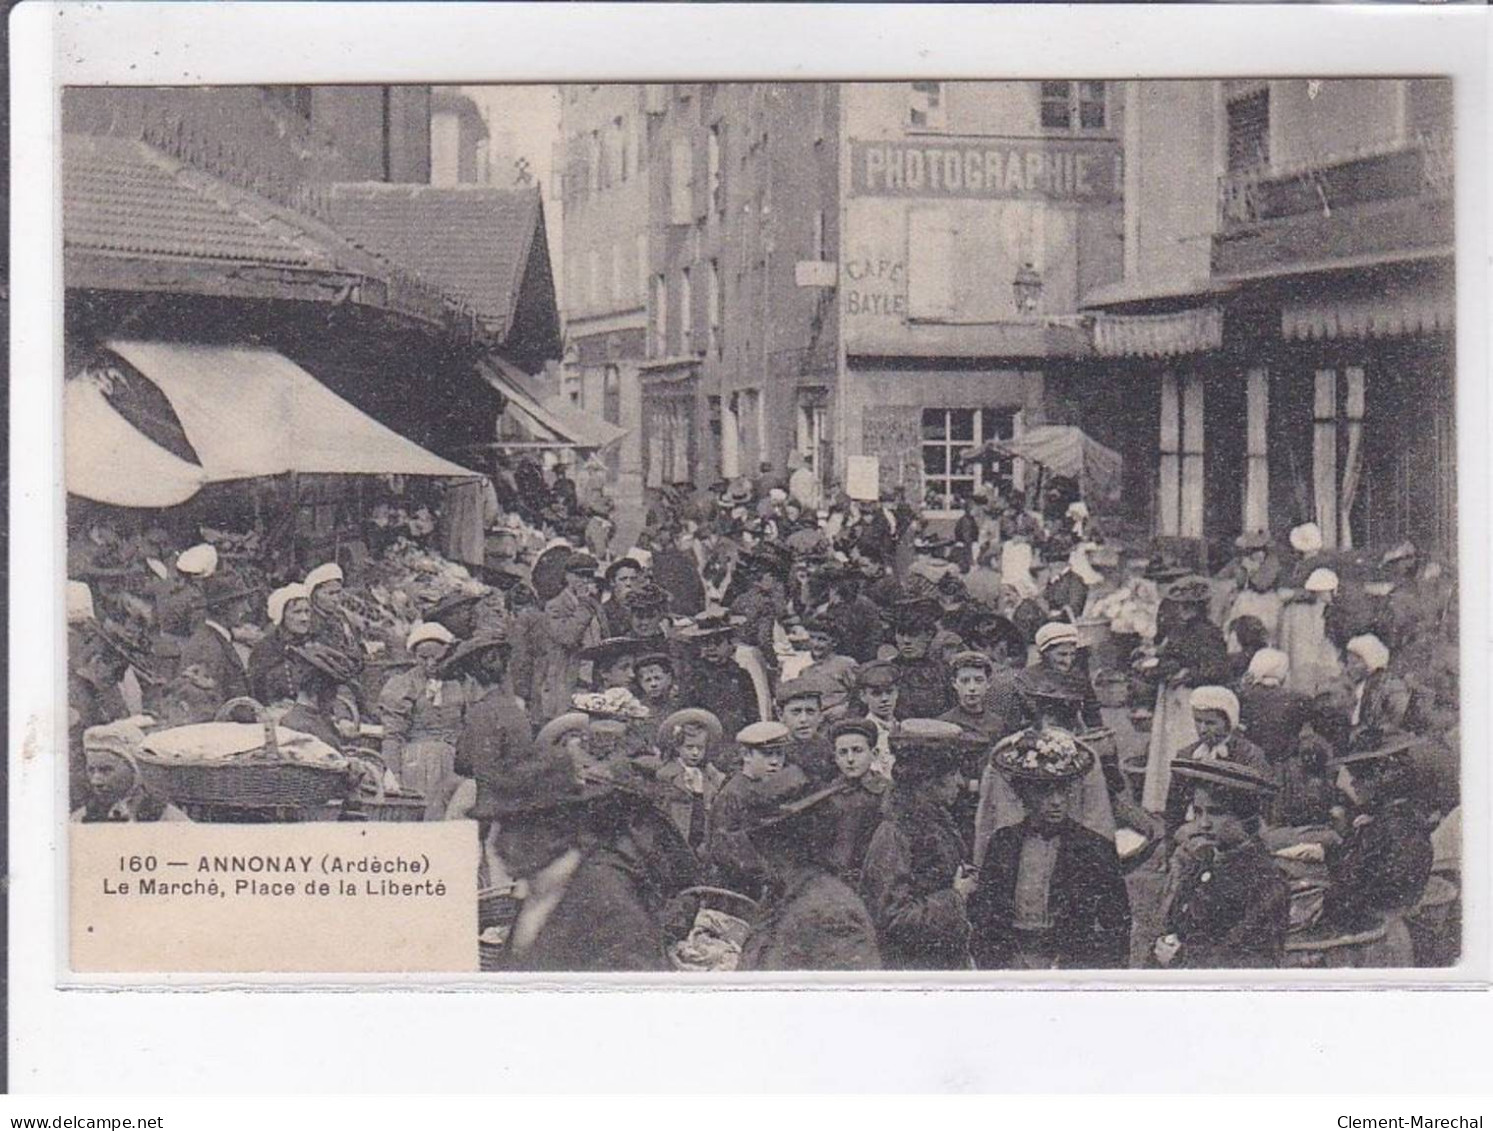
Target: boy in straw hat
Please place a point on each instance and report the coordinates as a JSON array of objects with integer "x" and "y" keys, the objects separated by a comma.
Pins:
[{"x": 1051, "y": 892}]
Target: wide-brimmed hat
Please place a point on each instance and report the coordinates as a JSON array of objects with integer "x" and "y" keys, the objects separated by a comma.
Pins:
[
  {"x": 1046, "y": 754},
  {"x": 331, "y": 662},
  {"x": 693, "y": 717},
  {"x": 928, "y": 747},
  {"x": 804, "y": 804},
  {"x": 613, "y": 648},
  {"x": 561, "y": 725},
  {"x": 647, "y": 597},
  {"x": 504, "y": 575},
  {"x": 738, "y": 492},
  {"x": 467, "y": 652},
  {"x": 1162, "y": 571},
  {"x": 710, "y": 625},
  {"x": 451, "y": 603},
  {"x": 1190, "y": 590},
  {"x": 1222, "y": 772},
  {"x": 914, "y": 614},
  {"x": 1387, "y": 748},
  {"x": 543, "y": 782}
]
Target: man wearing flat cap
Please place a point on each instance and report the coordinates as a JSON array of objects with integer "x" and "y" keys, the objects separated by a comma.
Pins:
[
  {"x": 858, "y": 807},
  {"x": 765, "y": 778},
  {"x": 800, "y": 705}
]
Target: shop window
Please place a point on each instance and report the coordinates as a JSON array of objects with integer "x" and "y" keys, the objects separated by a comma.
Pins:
[
  {"x": 1074, "y": 106},
  {"x": 950, "y": 433},
  {"x": 926, "y": 109}
]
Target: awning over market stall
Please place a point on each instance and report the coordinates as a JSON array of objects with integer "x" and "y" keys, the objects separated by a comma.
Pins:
[
  {"x": 109, "y": 460},
  {"x": 249, "y": 411},
  {"x": 1062, "y": 449},
  {"x": 565, "y": 427}
]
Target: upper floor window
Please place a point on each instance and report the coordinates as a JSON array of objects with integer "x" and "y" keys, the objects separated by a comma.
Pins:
[
  {"x": 1248, "y": 119},
  {"x": 926, "y": 109},
  {"x": 681, "y": 183},
  {"x": 1074, "y": 106}
]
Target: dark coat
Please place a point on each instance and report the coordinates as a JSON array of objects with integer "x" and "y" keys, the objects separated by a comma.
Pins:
[
  {"x": 816, "y": 923},
  {"x": 723, "y": 689},
  {"x": 1229, "y": 907},
  {"x": 736, "y": 863},
  {"x": 208, "y": 650},
  {"x": 602, "y": 922},
  {"x": 907, "y": 882},
  {"x": 1067, "y": 591},
  {"x": 1272, "y": 717},
  {"x": 925, "y": 689},
  {"x": 1198, "y": 647},
  {"x": 1383, "y": 864},
  {"x": 859, "y": 623},
  {"x": 495, "y": 735},
  {"x": 857, "y": 814},
  {"x": 308, "y": 720},
  {"x": 271, "y": 671},
  {"x": 1035, "y": 687},
  {"x": 676, "y": 573},
  {"x": 1087, "y": 900}
]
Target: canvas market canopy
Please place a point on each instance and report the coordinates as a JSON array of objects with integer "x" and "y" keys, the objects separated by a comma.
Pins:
[
  {"x": 1062, "y": 449},
  {"x": 247, "y": 411},
  {"x": 107, "y": 459}
]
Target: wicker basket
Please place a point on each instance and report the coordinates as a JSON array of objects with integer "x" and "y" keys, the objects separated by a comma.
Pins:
[
  {"x": 377, "y": 803},
  {"x": 267, "y": 782},
  {"x": 496, "y": 907}
]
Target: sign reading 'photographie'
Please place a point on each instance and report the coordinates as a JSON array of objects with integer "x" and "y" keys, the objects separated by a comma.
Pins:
[{"x": 1082, "y": 171}]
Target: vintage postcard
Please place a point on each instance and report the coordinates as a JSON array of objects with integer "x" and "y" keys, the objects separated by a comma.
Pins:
[{"x": 696, "y": 531}]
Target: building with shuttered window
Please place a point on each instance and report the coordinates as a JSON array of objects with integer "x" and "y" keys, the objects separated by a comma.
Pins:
[{"x": 1285, "y": 317}]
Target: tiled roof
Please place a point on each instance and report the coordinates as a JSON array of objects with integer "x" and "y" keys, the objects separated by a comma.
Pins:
[
  {"x": 471, "y": 240},
  {"x": 123, "y": 196}
]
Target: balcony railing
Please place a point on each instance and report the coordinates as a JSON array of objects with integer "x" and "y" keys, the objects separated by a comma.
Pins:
[{"x": 1422, "y": 167}]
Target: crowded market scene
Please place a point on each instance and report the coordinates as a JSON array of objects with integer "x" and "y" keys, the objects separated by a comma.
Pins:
[
  {"x": 770, "y": 737},
  {"x": 1066, "y": 632}
]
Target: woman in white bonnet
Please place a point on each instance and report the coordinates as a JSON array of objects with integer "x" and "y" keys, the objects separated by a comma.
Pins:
[{"x": 1314, "y": 660}]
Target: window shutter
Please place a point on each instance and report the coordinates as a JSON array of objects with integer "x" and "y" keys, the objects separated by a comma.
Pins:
[
  {"x": 931, "y": 239},
  {"x": 681, "y": 188}
]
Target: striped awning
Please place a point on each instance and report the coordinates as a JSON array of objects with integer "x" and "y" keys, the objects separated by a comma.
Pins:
[
  {"x": 1158, "y": 335},
  {"x": 1369, "y": 316}
]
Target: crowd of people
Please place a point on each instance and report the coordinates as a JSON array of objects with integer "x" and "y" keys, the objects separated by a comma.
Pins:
[{"x": 876, "y": 747}]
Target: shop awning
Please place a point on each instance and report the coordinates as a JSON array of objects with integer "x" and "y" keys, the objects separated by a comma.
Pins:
[
  {"x": 1158, "y": 335},
  {"x": 110, "y": 461},
  {"x": 249, "y": 411},
  {"x": 551, "y": 423},
  {"x": 1369, "y": 316}
]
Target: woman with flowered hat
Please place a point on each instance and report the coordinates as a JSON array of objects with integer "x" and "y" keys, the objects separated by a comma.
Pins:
[{"x": 1051, "y": 893}]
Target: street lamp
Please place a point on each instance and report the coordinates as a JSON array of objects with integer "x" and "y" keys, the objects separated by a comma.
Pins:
[{"x": 1027, "y": 288}]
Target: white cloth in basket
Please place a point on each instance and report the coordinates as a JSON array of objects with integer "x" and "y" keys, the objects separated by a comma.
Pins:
[{"x": 222, "y": 742}]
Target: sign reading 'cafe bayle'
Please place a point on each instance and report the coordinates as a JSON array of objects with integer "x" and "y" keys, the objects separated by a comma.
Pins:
[{"x": 1081, "y": 171}]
